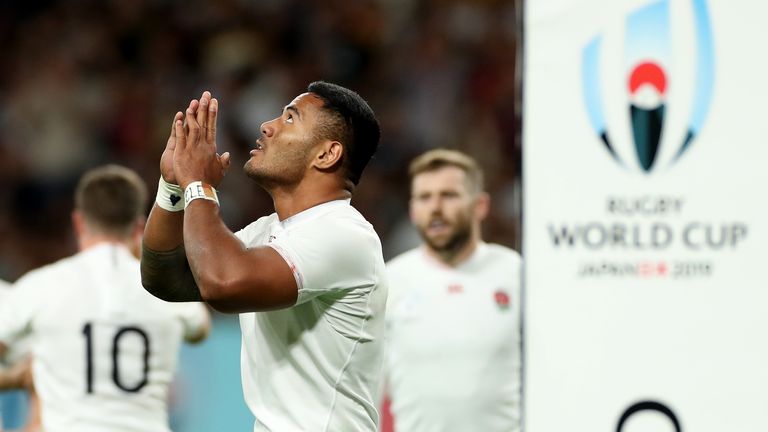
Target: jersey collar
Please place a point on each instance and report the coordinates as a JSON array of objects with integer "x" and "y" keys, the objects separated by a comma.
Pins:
[
  {"x": 314, "y": 212},
  {"x": 477, "y": 255}
]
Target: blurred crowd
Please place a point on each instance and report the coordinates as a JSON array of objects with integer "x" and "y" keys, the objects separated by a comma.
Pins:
[{"x": 86, "y": 82}]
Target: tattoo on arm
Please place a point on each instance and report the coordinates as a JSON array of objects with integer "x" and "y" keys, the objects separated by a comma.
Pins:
[{"x": 167, "y": 276}]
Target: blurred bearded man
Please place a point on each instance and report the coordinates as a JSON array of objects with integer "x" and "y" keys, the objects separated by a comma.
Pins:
[{"x": 453, "y": 315}]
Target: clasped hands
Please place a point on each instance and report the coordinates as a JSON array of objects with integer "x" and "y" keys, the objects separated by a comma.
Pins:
[{"x": 190, "y": 153}]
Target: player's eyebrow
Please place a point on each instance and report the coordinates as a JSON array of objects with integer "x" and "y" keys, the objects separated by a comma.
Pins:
[{"x": 293, "y": 109}]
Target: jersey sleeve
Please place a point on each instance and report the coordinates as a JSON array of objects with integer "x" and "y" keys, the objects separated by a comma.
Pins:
[{"x": 335, "y": 257}]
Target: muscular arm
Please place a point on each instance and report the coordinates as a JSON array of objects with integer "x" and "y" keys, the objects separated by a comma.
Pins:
[
  {"x": 165, "y": 272},
  {"x": 164, "y": 269},
  {"x": 231, "y": 277}
]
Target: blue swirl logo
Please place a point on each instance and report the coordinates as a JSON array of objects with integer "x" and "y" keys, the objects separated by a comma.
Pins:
[{"x": 647, "y": 59}]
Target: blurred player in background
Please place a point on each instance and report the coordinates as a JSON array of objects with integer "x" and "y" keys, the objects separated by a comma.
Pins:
[
  {"x": 104, "y": 350},
  {"x": 453, "y": 316},
  {"x": 307, "y": 279},
  {"x": 17, "y": 407}
]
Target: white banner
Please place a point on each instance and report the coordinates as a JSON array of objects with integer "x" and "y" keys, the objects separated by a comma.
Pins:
[{"x": 645, "y": 215}]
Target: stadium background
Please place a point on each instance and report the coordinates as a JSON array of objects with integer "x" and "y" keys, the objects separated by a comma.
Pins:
[{"x": 87, "y": 82}]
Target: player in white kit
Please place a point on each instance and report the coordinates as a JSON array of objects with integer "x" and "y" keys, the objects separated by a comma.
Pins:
[
  {"x": 104, "y": 350},
  {"x": 307, "y": 280},
  {"x": 453, "y": 316},
  {"x": 16, "y": 375},
  {"x": 15, "y": 368}
]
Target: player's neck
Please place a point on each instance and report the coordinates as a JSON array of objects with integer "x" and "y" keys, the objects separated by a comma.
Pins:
[
  {"x": 289, "y": 201},
  {"x": 88, "y": 242},
  {"x": 455, "y": 257}
]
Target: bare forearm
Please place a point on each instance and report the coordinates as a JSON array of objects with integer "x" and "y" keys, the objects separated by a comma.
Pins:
[
  {"x": 233, "y": 278},
  {"x": 210, "y": 248},
  {"x": 163, "y": 231},
  {"x": 165, "y": 272},
  {"x": 167, "y": 276}
]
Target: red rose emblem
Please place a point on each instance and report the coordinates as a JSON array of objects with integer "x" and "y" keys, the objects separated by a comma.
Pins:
[{"x": 502, "y": 299}]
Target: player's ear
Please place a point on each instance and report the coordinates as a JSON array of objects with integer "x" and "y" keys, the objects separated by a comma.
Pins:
[
  {"x": 137, "y": 235},
  {"x": 78, "y": 223},
  {"x": 329, "y": 154},
  {"x": 482, "y": 205}
]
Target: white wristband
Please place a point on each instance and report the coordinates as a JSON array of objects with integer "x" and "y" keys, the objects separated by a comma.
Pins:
[
  {"x": 199, "y": 190},
  {"x": 169, "y": 196}
]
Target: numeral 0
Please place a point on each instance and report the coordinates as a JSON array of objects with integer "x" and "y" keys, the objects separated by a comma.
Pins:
[{"x": 88, "y": 332}]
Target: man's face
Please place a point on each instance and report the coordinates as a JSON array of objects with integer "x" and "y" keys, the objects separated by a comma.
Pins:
[
  {"x": 284, "y": 150},
  {"x": 442, "y": 209}
]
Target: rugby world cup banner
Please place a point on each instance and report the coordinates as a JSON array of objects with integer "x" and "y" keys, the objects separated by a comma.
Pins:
[{"x": 645, "y": 143}]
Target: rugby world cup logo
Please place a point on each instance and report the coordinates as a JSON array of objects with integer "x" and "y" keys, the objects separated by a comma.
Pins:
[{"x": 648, "y": 60}]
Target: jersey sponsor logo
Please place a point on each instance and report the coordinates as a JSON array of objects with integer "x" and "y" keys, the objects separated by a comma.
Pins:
[
  {"x": 648, "y": 61},
  {"x": 502, "y": 299}
]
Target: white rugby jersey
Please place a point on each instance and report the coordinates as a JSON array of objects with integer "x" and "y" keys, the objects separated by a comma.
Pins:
[
  {"x": 104, "y": 350},
  {"x": 453, "y": 342},
  {"x": 316, "y": 366}
]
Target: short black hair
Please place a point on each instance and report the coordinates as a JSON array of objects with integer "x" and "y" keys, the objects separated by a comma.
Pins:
[
  {"x": 351, "y": 122},
  {"x": 111, "y": 198}
]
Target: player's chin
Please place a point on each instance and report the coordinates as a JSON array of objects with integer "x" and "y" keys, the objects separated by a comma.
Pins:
[
  {"x": 438, "y": 241},
  {"x": 252, "y": 162},
  {"x": 250, "y": 168},
  {"x": 438, "y": 233}
]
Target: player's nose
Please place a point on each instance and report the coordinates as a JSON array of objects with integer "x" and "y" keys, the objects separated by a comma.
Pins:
[
  {"x": 268, "y": 128},
  {"x": 435, "y": 206}
]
